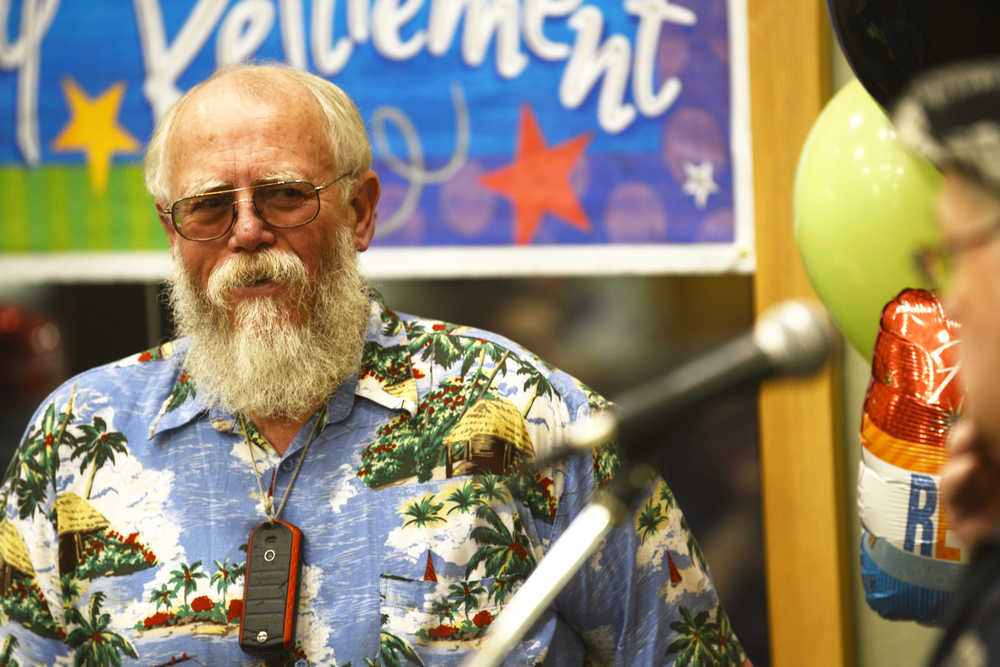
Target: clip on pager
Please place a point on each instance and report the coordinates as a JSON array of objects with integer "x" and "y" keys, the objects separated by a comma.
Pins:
[{"x": 271, "y": 588}]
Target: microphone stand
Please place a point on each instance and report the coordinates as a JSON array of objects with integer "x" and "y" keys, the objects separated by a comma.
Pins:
[{"x": 566, "y": 556}]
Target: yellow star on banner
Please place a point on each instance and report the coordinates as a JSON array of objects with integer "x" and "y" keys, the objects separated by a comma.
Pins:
[{"x": 93, "y": 128}]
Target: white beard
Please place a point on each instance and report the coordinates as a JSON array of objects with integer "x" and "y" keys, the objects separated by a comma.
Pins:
[{"x": 249, "y": 357}]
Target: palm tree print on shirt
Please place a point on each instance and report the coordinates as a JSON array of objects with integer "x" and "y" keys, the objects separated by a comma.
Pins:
[
  {"x": 226, "y": 574},
  {"x": 465, "y": 594},
  {"x": 7, "y": 655},
  {"x": 503, "y": 552},
  {"x": 162, "y": 597},
  {"x": 32, "y": 470},
  {"x": 88, "y": 546},
  {"x": 186, "y": 579},
  {"x": 704, "y": 642},
  {"x": 414, "y": 446},
  {"x": 95, "y": 644},
  {"x": 96, "y": 447},
  {"x": 201, "y": 609}
]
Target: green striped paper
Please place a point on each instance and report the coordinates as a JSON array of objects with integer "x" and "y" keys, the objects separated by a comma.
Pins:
[{"x": 55, "y": 209}]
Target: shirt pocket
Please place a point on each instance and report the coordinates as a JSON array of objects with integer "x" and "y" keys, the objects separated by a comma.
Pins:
[{"x": 439, "y": 621}]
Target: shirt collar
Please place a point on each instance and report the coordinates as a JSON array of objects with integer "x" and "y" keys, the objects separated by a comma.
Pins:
[{"x": 385, "y": 377}]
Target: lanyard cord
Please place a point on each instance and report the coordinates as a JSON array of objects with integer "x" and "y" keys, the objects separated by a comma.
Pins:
[{"x": 268, "y": 497}]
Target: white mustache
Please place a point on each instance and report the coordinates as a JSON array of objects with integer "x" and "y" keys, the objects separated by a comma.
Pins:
[{"x": 242, "y": 270}]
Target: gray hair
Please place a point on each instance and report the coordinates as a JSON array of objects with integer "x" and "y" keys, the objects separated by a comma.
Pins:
[{"x": 349, "y": 141}]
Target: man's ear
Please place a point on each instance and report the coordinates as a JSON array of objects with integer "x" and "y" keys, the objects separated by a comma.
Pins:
[
  {"x": 168, "y": 225},
  {"x": 366, "y": 194}
]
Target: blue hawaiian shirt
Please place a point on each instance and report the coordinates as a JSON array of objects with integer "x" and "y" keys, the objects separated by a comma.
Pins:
[{"x": 129, "y": 504}]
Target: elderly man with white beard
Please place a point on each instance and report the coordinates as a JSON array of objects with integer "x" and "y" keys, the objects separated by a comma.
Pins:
[{"x": 305, "y": 476}]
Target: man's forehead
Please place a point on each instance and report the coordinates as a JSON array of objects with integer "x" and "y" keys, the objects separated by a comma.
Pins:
[
  {"x": 268, "y": 98},
  {"x": 223, "y": 120}
]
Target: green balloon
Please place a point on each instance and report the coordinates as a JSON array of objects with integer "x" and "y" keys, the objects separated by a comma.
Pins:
[{"x": 863, "y": 204}]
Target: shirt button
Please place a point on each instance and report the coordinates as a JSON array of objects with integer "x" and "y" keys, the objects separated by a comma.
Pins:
[{"x": 287, "y": 465}]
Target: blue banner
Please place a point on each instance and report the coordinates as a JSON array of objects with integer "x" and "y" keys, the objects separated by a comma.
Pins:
[{"x": 572, "y": 126}]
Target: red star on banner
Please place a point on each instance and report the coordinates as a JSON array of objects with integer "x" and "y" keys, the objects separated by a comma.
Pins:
[{"x": 537, "y": 182}]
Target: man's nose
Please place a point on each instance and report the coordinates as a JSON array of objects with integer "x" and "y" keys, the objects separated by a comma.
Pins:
[{"x": 250, "y": 231}]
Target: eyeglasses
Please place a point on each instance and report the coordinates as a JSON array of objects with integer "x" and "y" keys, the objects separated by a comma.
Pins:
[
  {"x": 211, "y": 215},
  {"x": 937, "y": 262}
]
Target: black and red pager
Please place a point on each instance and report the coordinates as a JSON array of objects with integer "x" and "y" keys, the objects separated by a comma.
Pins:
[{"x": 271, "y": 588}]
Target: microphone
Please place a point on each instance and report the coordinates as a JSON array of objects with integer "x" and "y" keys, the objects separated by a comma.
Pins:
[{"x": 793, "y": 338}]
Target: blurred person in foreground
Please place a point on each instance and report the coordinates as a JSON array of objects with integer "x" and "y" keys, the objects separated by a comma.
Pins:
[
  {"x": 952, "y": 116},
  {"x": 295, "y": 397}
]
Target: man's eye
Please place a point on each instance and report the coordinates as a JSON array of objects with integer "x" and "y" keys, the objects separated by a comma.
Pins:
[
  {"x": 211, "y": 203},
  {"x": 283, "y": 196}
]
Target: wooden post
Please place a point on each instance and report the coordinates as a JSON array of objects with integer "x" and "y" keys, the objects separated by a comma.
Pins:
[{"x": 804, "y": 497}]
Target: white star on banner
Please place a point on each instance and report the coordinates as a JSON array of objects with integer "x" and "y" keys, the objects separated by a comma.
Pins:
[{"x": 700, "y": 183}]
